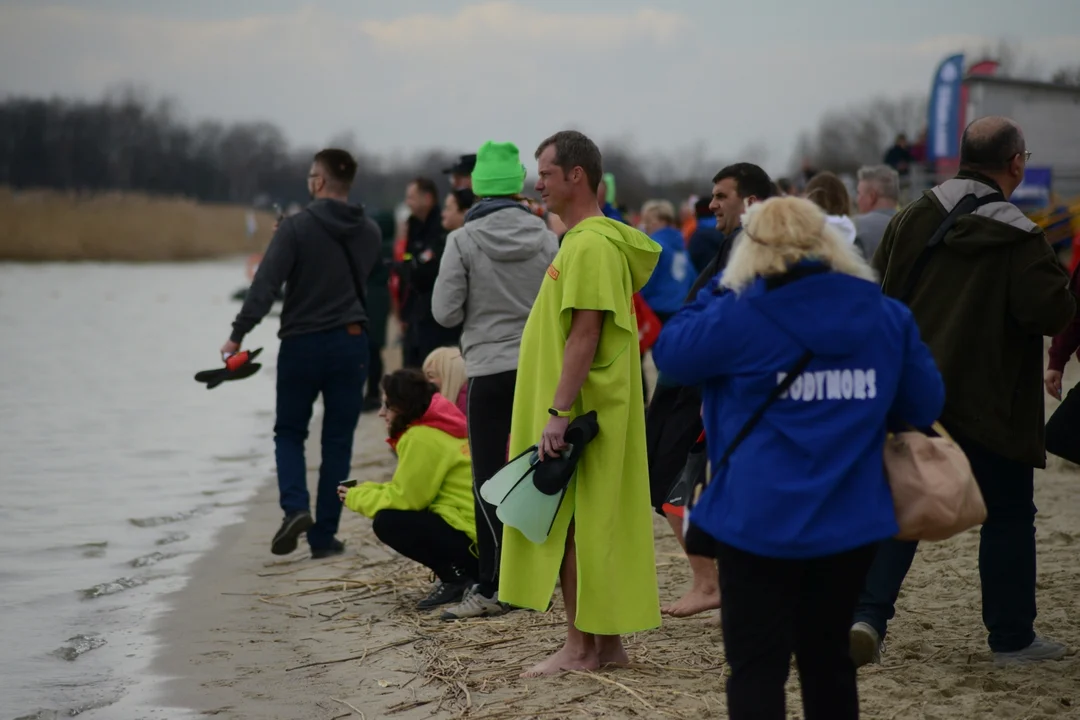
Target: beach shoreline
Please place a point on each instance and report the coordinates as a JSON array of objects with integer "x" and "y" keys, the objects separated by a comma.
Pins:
[{"x": 253, "y": 636}]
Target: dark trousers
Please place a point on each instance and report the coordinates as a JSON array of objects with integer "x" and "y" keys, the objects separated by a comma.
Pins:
[
  {"x": 1006, "y": 555},
  {"x": 773, "y": 608},
  {"x": 333, "y": 363},
  {"x": 424, "y": 336},
  {"x": 1063, "y": 428},
  {"x": 375, "y": 373},
  {"x": 423, "y": 536},
  {"x": 490, "y": 409}
]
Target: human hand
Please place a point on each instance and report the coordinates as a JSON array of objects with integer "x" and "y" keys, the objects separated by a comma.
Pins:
[
  {"x": 1052, "y": 380},
  {"x": 553, "y": 439},
  {"x": 342, "y": 491},
  {"x": 229, "y": 348}
]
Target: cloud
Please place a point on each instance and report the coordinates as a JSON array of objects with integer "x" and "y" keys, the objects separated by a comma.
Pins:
[{"x": 476, "y": 27}]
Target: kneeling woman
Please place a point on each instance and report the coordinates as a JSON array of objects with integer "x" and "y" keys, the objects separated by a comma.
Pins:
[
  {"x": 426, "y": 511},
  {"x": 797, "y": 507}
]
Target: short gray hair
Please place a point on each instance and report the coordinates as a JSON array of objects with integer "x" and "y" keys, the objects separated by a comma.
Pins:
[{"x": 882, "y": 177}]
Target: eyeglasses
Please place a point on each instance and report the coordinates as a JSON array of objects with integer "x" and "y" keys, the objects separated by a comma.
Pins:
[{"x": 1027, "y": 155}]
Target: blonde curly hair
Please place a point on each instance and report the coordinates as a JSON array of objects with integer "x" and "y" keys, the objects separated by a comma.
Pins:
[{"x": 783, "y": 231}]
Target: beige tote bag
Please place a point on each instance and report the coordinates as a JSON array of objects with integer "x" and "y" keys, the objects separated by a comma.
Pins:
[{"x": 934, "y": 491}]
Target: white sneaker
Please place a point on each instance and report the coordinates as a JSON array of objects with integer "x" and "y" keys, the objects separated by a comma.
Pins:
[
  {"x": 475, "y": 605},
  {"x": 866, "y": 645},
  {"x": 1038, "y": 651}
]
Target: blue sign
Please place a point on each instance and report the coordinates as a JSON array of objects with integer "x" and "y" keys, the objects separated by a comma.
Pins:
[
  {"x": 1035, "y": 190},
  {"x": 943, "y": 127}
]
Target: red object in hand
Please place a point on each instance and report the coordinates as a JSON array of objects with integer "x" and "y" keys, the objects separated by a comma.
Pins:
[{"x": 235, "y": 361}]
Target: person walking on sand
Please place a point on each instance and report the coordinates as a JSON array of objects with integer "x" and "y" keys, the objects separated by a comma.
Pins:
[
  {"x": 802, "y": 363},
  {"x": 673, "y": 421},
  {"x": 579, "y": 354},
  {"x": 324, "y": 257},
  {"x": 488, "y": 281},
  {"x": 984, "y": 297}
]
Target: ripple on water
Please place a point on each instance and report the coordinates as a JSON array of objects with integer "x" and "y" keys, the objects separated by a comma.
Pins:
[
  {"x": 94, "y": 549},
  {"x": 152, "y": 559},
  {"x": 172, "y": 538},
  {"x": 111, "y": 588},
  {"x": 164, "y": 519},
  {"x": 79, "y": 645}
]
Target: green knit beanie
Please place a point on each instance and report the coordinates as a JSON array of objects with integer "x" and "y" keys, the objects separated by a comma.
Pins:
[{"x": 498, "y": 170}]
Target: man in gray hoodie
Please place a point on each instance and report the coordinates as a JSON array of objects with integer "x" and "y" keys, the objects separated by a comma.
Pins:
[
  {"x": 323, "y": 256},
  {"x": 488, "y": 279}
]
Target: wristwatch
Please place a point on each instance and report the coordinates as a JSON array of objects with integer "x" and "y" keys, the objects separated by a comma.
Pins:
[{"x": 558, "y": 413}]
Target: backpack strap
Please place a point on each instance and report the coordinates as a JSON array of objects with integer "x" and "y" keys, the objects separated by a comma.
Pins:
[{"x": 967, "y": 205}]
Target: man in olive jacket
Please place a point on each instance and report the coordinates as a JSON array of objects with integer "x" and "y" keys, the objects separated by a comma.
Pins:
[{"x": 983, "y": 300}]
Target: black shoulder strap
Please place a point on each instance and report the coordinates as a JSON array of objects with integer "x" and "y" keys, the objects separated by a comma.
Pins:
[
  {"x": 968, "y": 204},
  {"x": 353, "y": 271},
  {"x": 779, "y": 390}
]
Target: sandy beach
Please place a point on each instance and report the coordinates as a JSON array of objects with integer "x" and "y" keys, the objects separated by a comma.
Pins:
[{"x": 257, "y": 637}]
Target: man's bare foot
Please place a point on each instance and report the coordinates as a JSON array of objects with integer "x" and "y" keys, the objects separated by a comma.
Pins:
[
  {"x": 610, "y": 651},
  {"x": 567, "y": 658},
  {"x": 698, "y": 600}
]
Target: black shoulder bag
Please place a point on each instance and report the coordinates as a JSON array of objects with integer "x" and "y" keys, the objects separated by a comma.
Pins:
[
  {"x": 968, "y": 204},
  {"x": 698, "y": 542}
]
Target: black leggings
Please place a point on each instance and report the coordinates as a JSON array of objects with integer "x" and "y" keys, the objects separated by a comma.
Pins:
[
  {"x": 375, "y": 373},
  {"x": 775, "y": 607},
  {"x": 491, "y": 406},
  {"x": 423, "y": 536}
]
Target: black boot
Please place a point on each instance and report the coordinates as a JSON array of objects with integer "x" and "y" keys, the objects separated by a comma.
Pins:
[{"x": 449, "y": 589}]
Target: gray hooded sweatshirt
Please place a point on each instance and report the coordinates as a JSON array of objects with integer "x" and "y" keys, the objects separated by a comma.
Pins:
[{"x": 488, "y": 279}]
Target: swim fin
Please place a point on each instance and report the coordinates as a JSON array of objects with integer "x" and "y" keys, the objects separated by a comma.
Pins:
[{"x": 237, "y": 367}]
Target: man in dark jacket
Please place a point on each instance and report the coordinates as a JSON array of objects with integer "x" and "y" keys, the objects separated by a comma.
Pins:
[
  {"x": 984, "y": 299},
  {"x": 323, "y": 256},
  {"x": 424, "y": 247},
  {"x": 673, "y": 419}
]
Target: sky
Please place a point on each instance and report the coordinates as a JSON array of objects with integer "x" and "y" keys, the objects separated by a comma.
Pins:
[{"x": 408, "y": 75}]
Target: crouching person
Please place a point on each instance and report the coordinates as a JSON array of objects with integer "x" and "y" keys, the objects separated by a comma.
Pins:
[{"x": 426, "y": 511}]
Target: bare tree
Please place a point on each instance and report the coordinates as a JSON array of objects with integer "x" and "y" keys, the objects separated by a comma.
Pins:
[{"x": 1067, "y": 76}]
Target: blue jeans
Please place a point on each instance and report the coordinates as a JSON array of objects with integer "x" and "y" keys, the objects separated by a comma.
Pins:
[
  {"x": 1006, "y": 555},
  {"x": 333, "y": 363}
]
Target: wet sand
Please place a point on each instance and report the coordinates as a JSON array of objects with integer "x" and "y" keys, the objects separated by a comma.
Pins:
[{"x": 257, "y": 637}]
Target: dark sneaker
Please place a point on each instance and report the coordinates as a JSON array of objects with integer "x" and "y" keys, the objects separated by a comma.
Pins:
[
  {"x": 445, "y": 593},
  {"x": 337, "y": 547},
  {"x": 292, "y": 527}
]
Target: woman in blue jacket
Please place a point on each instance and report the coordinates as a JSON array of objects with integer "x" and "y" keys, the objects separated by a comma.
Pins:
[{"x": 799, "y": 506}]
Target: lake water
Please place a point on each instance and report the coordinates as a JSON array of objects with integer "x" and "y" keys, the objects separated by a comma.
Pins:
[{"x": 116, "y": 467}]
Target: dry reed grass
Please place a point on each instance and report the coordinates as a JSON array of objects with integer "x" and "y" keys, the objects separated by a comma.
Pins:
[{"x": 49, "y": 226}]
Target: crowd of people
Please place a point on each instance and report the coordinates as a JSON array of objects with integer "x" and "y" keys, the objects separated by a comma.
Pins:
[{"x": 796, "y": 334}]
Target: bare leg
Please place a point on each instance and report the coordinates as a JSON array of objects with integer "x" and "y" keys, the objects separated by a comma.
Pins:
[
  {"x": 580, "y": 651},
  {"x": 610, "y": 651},
  {"x": 704, "y": 593}
]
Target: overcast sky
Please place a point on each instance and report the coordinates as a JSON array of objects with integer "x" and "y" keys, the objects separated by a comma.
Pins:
[{"x": 413, "y": 74}]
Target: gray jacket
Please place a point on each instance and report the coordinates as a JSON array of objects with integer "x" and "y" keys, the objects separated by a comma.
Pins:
[
  {"x": 869, "y": 229},
  {"x": 488, "y": 279}
]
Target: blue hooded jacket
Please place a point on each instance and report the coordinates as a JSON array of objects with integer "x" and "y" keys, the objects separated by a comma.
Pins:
[
  {"x": 673, "y": 277},
  {"x": 809, "y": 480}
]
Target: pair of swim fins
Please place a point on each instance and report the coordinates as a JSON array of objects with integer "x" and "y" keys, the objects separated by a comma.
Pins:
[
  {"x": 237, "y": 367},
  {"x": 527, "y": 493}
]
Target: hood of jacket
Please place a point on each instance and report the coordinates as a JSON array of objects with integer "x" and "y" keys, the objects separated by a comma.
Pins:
[
  {"x": 441, "y": 415},
  {"x": 338, "y": 218},
  {"x": 992, "y": 225},
  {"x": 505, "y": 230},
  {"x": 828, "y": 313},
  {"x": 843, "y": 225},
  {"x": 641, "y": 252}
]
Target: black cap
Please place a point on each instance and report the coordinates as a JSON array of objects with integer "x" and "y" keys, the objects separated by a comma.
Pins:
[{"x": 464, "y": 165}]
